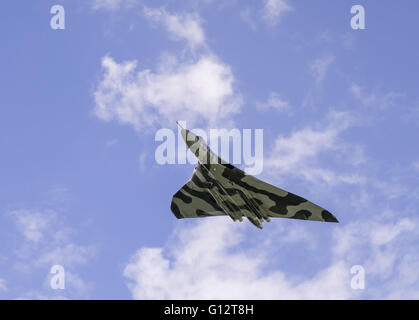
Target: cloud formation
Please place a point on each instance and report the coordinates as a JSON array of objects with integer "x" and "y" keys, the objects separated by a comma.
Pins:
[
  {"x": 191, "y": 91},
  {"x": 112, "y": 4},
  {"x": 32, "y": 224},
  {"x": 203, "y": 264},
  {"x": 180, "y": 26},
  {"x": 3, "y": 286},
  {"x": 273, "y": 10},
  {"x": 47, "y": 241},
  {"x": 195, "y": 87},
  {"x": 208, "y": 260},
  {"x": 297, "y": 155},
  {"x": 319, "y": 67},
  {"x": 374, "y": 100},
  {"x": 275, "y": 102}
]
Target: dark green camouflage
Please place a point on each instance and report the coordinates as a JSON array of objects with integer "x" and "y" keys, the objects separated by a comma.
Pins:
[{"x": 217, "y": 189}]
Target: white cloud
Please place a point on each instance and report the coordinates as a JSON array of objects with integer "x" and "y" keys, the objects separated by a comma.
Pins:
[
  {"x": 112, "y": 4},
  {"x": 69, "y": 255},
  {"x": 197, "y": 88},
  {"x": 300, "y": 146},
  {"x": 111, "y": 142},
  {"x": 274, "y": 101},
  {"x": 75, "y": 288},
  {"x": 387, "y": 233},
  {"x": 372, "y": 99},
  {"x": 142, "y": 159},
  {"x": 384, "y": 248},
  {"x": 180, "y": 26},
  {"x": 191, "y": 91},
  {"x": 273, "y": 10},
  {"x": 296, "y": 155},
  {"x": 204, "y": 265},
  {"x": 409, "y": 269},
  {"x": 47, "y": 242},
  {"x": 375, "y": 233},
  {"x": 320, "y": 66},
  {"x": 32, "y": 224},
  {"x": 209, "y": 260},
  {"x": 3, "y": 286},
  {"x": 246, "y": 16}
]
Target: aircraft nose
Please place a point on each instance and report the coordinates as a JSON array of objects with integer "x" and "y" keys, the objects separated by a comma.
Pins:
[
  {"x": 328, "y": 217},
  {"x": 184, "y": 134},
  {"x": 188, "y": 136}
]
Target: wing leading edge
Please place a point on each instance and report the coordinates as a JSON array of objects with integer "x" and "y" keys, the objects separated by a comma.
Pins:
[
  {"x": 244, "y": 195},
  {"x": 279, "y": 203},
  {"x": 193, "y": 201}
]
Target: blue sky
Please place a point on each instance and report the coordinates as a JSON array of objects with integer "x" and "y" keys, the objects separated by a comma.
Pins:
[{"x": 80, "y": 108}]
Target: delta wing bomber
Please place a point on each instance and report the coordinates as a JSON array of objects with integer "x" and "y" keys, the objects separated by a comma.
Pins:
[{"x": 220, "y": 189}]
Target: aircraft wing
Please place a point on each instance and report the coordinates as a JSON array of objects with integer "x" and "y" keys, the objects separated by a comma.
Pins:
[
  {"x": 194, "y": 201},
  {"x": 279, "y": 203}
]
